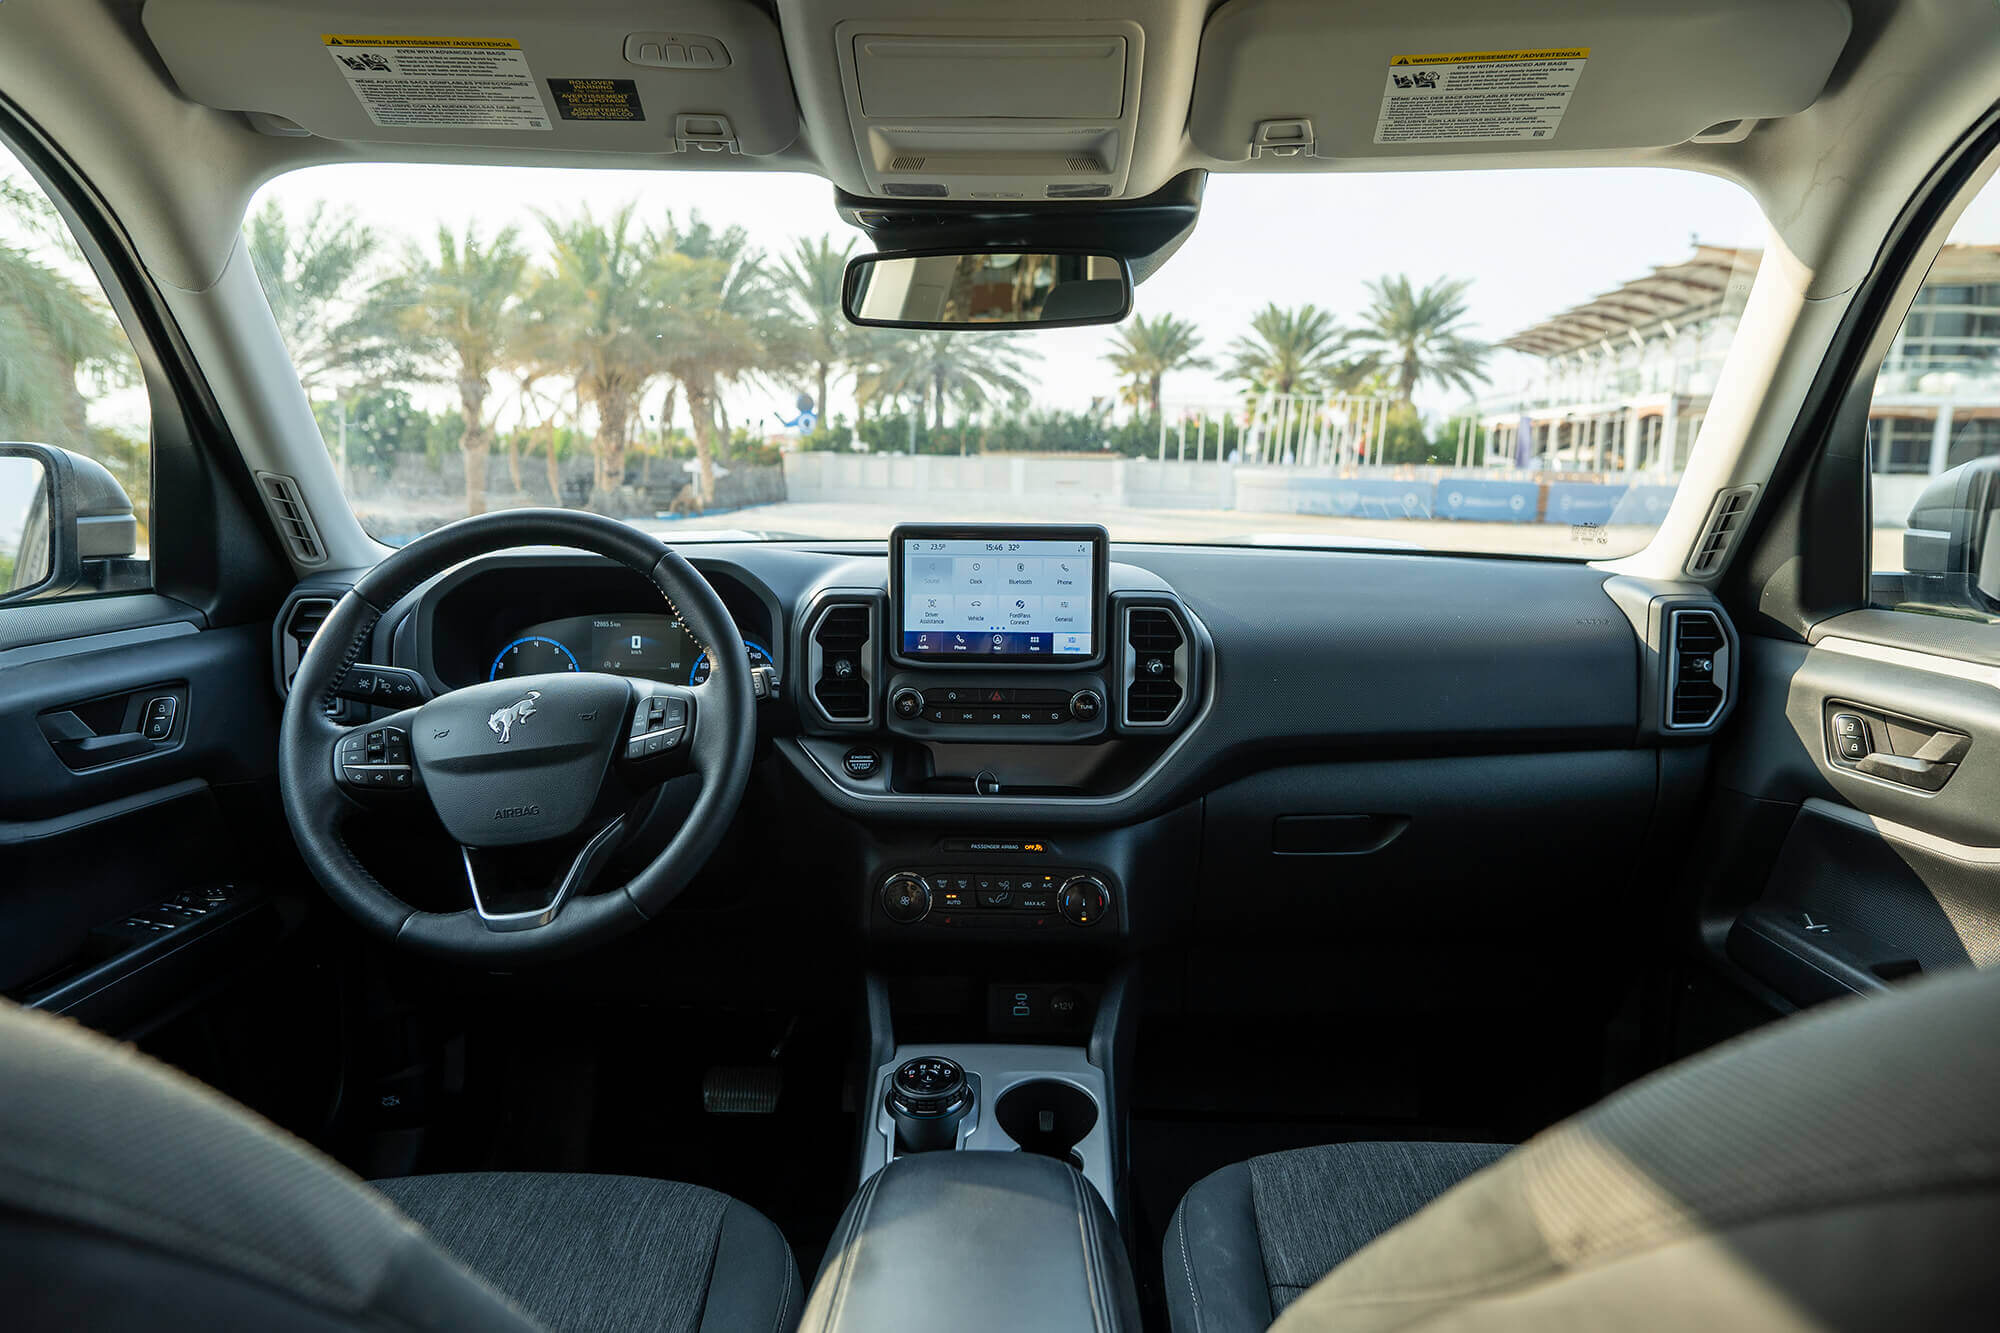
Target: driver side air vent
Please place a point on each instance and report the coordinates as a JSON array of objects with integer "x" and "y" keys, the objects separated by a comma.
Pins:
[
  {"x": 1156, "y": 666},
  {"x": 842, "y": 668},
  {"x": 1725, "y": 519},
  {"x": 1698, "y": 665},
  {"x": 294, "y": 520}
]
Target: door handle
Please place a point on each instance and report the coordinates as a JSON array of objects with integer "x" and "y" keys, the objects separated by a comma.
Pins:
[
  {"x": 1926, "y": 770},
  {"x": 1852, "y": 736}
]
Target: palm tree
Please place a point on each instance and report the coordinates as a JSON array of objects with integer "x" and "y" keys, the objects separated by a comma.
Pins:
[
  {"x": 722, "y": 320},
  {"x": 1146, "y": 351},
  {"x": 596, "y": 309},
  {"x": 1294, "y": 351},
  {"x": 455, "y": 307},
  {"x": 312, "y": 269},
  {"x": 52, "y": 331},
  {"x": 811, "y": 277},
  {"x": 968, "y": 369},
  {"x": 1413, "y": 336}
]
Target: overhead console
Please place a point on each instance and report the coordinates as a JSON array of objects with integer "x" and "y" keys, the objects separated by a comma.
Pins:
[
  {"x": 1294, "y": 80},
  {"x": 1006, "y": 110},
  {"x": 698, "y": 77}
]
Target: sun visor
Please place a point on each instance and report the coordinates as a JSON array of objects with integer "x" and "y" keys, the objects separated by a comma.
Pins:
[
  {"x": 691, "y": 76},
  {"x": 1402, "y": 78}
]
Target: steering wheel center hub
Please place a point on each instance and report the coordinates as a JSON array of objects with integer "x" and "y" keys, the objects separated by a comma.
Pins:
[{"x": 520, "y": 760}]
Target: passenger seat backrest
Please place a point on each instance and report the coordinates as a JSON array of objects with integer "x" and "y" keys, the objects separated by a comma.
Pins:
[{"x": 1840, "y": 1170}]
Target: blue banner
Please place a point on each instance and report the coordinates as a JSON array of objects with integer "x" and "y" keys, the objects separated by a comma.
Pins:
[
  {"x": 1347, "y": 498},
  {"x": 1582, "y": 502},
  {"x": 1489, "y": 501},
  {"x": 1644, "y": 504}
]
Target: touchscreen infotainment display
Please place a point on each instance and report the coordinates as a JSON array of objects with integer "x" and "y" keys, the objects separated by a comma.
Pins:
[{"x": 999, "y": 596}]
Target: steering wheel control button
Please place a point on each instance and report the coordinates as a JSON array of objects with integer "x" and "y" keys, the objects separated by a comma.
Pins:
[
  {"x": 906, "y": 899},
  {"x": 861, "y": 762},
  {"x": 659, "y": 722},
  {"x": 1086, "y": 705},
  {"x": 907, "y": 704},
  {"x": 1082, "y": 900}
]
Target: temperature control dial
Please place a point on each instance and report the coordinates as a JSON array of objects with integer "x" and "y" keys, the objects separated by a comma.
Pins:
[
  {"x": 906, "y": 899},
  {"x": 1082, "y": 899}
]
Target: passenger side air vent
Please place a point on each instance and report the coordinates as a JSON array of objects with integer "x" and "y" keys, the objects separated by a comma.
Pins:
[
  {"x": 1698, "y": 668},
  {"x": 1156, "y": 666},
  {"x": 294, "y": 520},
  {"x": 842, "y": 671},
  {"x": 1725, "y": 519}
]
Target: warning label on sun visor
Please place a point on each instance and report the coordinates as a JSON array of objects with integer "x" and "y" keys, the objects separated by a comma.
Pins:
[
  {"x": 1470, "y": 96},
  {"x": 597, "y": 99},
  {"x": 460, "y": 83}
]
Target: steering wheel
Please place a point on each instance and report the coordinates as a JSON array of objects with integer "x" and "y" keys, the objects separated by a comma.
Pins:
[{"x": 532, "y": 776}]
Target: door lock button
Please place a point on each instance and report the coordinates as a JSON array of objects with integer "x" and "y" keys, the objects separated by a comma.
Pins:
[{"x": 1850, "y": 735}]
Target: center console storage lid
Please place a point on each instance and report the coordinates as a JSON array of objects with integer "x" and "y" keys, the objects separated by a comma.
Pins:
[{"x": 975, "y": 1241}]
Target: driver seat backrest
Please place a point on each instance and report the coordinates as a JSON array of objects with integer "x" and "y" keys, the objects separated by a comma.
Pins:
[{"x": 133, "y": 1197}]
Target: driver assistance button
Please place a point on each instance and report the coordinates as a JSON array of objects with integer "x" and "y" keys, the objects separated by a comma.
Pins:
[
  {"x": 377, "y": 759},
  {"x": 658, "y": 723}
]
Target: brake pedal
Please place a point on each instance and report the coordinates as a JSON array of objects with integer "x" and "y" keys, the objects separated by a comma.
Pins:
[{"x": 741, "y": 1089}]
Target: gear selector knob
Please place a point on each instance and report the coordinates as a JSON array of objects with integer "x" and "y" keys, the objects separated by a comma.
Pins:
[{"x": 927, "y": 1098}]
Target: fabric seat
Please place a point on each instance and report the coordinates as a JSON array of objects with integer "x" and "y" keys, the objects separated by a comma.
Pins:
[
  {"x": 602, "y": 1252},
  {"x": 1837, "y": 1172},
  {"x": 131, "y": 1197},
  {"x": 1248, "y": 1239}
]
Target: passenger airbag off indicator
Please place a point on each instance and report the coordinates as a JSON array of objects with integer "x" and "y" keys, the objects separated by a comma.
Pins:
[{"x": 596, "y": 99}]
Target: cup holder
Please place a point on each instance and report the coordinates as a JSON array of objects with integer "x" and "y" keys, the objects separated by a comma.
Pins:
[{"x": 1047, "y": 1117}]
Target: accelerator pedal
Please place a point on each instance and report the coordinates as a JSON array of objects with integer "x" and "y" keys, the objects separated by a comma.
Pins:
[{"x": 741, "y": 1089}]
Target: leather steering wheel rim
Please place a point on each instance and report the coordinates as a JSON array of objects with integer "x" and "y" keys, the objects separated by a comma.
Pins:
[{"x": 720, "y": 749}]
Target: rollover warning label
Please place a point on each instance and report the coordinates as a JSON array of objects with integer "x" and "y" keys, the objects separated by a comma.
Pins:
[
  {"x": 1474, "y": 96},
  {"x": 596, "y": 99},
  {"x": 460, "y": 83}
]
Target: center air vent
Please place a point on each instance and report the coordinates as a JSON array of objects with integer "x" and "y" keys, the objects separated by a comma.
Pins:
[
  {"x": 842, "y": 662},
  {"x": 1698, "y": 658},
  {"x": 1156, "y": 666}
]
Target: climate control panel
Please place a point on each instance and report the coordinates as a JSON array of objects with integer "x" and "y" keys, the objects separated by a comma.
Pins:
[{"x": 1026, "y": 899}]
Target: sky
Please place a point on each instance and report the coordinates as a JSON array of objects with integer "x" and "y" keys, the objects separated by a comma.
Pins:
[{"x": 1532, "y": 242}]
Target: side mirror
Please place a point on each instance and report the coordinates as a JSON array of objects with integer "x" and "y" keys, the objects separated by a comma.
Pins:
[
  {"x": 989, "y": 289},
  {"x": 65, "y": 525},
  {"x": 1951, "y": 543}
]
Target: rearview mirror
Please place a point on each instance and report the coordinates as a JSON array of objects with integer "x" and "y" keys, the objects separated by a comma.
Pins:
[
  {"x": 65, "y": 525},
  {"x": 992, "y": 289}
]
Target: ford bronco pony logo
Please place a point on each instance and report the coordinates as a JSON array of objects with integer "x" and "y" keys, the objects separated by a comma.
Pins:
[{"x": 502, "y": 722}]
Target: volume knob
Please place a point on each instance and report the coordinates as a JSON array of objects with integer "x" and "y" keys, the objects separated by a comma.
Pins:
[
  {"x": 1086, "y": 705},
  {"x": 907, "y": 703}
]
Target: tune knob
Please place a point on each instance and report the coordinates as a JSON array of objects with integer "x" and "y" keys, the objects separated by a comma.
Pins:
[
  {"x": 1082, "y": 899},
  {"x": 906, "y": 898},
  {"x": 907, "y": 703},
  {"x": 1086, "y": 705}
]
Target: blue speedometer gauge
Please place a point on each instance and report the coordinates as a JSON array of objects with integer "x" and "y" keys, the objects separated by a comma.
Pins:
[
  {"x": 759, "y": 656},
  {"x": 532, "y": 656}
]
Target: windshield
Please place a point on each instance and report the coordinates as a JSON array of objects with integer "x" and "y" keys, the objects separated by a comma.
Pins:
[{"x": 1495, "y": 361}]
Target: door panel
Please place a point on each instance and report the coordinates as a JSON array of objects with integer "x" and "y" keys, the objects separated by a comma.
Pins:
[
  {"x": 137, "y": 851},
  {"x": 1875, "y": 875}
]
